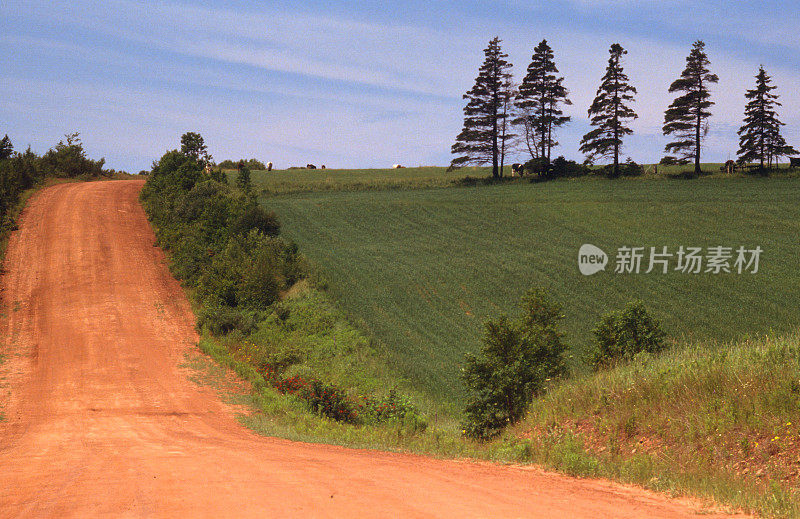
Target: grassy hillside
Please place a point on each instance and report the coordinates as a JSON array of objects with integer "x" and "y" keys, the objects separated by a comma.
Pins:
[
  {"x": 422, "y": 269},
  {"x": 713, "y": 419}
]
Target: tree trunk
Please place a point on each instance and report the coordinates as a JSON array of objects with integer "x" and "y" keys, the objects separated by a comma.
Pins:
[
  {"x": 697, "y": 169},
  {"x": 494, "y": 135},
  {"x": 616, "y": 127}
]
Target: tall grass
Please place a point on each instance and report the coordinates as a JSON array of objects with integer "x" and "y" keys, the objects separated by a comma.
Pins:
[{"x": 719, "y": 419}]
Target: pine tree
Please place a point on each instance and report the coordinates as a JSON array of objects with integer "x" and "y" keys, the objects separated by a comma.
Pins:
[
  {"x": 539, "y": 99},
  {"x": 481, "y": 139},
  {"x": 687, "y": 115},
  {"x": 760, "y": 136},
  {"x": 609, "y": 111},
  {"x": 6, "y": 148}
]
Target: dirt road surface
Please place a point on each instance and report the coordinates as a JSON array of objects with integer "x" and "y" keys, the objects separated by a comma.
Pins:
[{"x": 101, "y": 420}]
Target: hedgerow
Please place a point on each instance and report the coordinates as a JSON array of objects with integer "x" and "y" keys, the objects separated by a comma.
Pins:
[{"x": 227, "y": 249}]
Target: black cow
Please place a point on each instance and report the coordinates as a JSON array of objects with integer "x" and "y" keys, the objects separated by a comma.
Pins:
[{"x": 311, "y": 166}]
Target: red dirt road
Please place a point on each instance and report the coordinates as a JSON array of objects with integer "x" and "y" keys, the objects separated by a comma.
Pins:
[{"x": 100, "y": 420}]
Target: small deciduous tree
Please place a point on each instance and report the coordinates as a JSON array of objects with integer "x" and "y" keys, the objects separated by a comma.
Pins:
[
  {"x": 517, "y": 358},
  {"x": 482, "y": 138},
  {"x": 610, "y": 111},
  {"x": 539, "y": 99},
  {"x": 193, "y": 145},
  {"x": 687, "y": 116},
  {"x": 760, "y": 136}
]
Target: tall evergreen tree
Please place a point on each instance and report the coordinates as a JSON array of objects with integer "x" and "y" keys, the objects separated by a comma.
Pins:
[
  {"x": 6, "y": 148},
  {"x": 540, "y": 97},
  {"x": 687, "y": 115},
  {"x": 760, "y": 136},
  {"x": 480, "y": 141},
  {"x": 609, "y": 111}
]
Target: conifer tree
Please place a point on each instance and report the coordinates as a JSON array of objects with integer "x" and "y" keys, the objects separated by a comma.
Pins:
[
  {"x": 760, "y": 136},
  {"x": 609, "y": 112},
  {"x": 687, "y": 115},
  {"x": 480, "y": 141},
  {"x": 540, "y": 97},
  {"x": 6, "y": 148}
]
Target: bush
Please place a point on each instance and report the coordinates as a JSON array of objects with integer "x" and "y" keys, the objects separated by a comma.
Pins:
[
  {"x": 563, "y": 168},
  {"x": 324, "y": 399},
  {"x": 393, "y": 408},
  {"x": 252, "y": 164},
  {"x": 255, "y": 217},
  {"x": 221, "y": 320},
  {"x": 621, "y": 335},
  {"x": 673, "y": 161},
  {"x": 243, "y": 181},
  {"x": 68, "y": 159},
  {"x": 518, "y": 358},
  {"x": 537, "y": 166},
  {"x": 629, "y": 168}
]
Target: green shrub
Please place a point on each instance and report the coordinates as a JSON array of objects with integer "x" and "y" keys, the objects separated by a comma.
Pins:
[
  {"x": 518, "y": 357},
  {"x": 629, "y": 168},
  {"x": 256, "y": 217},
  {"x": 621, "y": 335},
  {"x": 252, "y": 164},
  {"x": 247, "y": 273},
  {"x": 68, "y": 159},
  {"x": 222, "y": 320},
  {"x": 563, "y": 168},
  {"x": 394, "y": 408},
  {"x": 243, "y": 181}
]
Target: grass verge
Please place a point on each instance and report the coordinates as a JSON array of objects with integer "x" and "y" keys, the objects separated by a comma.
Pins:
[{"x": 714, "y": 419}]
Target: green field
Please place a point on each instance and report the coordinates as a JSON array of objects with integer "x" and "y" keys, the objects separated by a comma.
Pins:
[
  {"x": 305, "y": 180},
  {"x": 422, "y": 269}
]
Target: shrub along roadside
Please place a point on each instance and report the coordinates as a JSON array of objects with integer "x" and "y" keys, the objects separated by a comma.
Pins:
[
  {"x": 227, "y": 250},
  {"x": 622, "y": 335},
  {"x": 517, "y": 358}
]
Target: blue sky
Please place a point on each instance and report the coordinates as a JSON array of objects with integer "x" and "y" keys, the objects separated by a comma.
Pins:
[{"x": 358, "y": 84}]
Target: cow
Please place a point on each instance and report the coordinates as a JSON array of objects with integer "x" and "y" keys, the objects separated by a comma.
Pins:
[
  {"x": 794, "y": 162},
  {"x": 269, "y": 166},
  {"x": 311, "y": 166},
  {"x": 397, "y": 166},
  {"x": 323, "y": 166},
  {"x": 729, "y": 167},
  {"x": 517, "y": 169}
]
